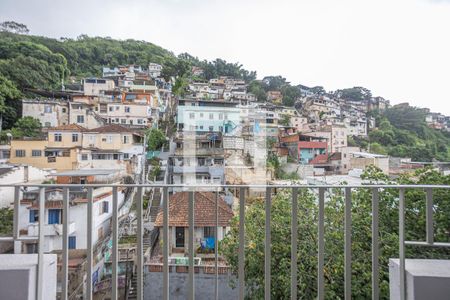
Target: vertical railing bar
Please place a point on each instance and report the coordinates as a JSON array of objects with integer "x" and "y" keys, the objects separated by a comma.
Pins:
[
  {"x": 115, "y": 237},
  {"x": 216, "y": 250},
  {"x": 191, "y": 287},
  {"x": 348, "y": 244},
  {"x": 429, "y": 216},
  {"x": 294, "y": 237},
  {"x": 267, "y": 250},
  {"x": 375, "y": 244},
  {"x": 166, "y": 243},
  {"x": 140, "y": 254},
  {"x": 401, "y": 221},
  {"x": 321, "y": 246},
  {"x": 65, "y": 244},
  {"x": 90, "y": 255},
  {"x": 241, "y": 243},
  {"x": 40, "y": 277},
  {"x": 16, "y": 232}
]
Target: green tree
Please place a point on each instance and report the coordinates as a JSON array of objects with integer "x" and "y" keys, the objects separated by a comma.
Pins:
[
  {"x": 355, "y": 94},
  {"x": 285, "y": 120},
  {"x": 8, "y": 93},
  {"x": 6, "y": 221},
  {"x": 155, "y": 139},
  {"x": 14, "y": 27},
  {"x": 26, "y": 127},
  {"x": 334, "y": 237},
  {"x": 256, "y": 87},
  {"x": 290, "y": 94}
]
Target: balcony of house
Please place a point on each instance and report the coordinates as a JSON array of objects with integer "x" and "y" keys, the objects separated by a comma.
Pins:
[
  {"x": 50, "y": 229},
  {"x": 362, "y": 241}
]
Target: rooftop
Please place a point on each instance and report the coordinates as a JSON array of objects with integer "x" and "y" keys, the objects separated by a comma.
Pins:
[
  {"x": 204, "y": 210},
  {"x": 87, "y": 172},
  {"x": 68, "y": 127}
]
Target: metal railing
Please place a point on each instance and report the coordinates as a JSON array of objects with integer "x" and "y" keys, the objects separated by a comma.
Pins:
[{"x": 191, "y": 189}]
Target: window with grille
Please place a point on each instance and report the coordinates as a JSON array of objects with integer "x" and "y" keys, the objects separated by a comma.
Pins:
[
  {"x": 20, "y": 153},
  {"x": 36, "y": 153}
]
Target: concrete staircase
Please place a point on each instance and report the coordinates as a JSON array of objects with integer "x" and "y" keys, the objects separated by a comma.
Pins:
[{"x": 132, "y": 289}]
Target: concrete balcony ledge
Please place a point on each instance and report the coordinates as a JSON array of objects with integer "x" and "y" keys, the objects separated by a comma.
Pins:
[
  {"x": 424, "y": 278},
  {"x": 50, "y": 229}
]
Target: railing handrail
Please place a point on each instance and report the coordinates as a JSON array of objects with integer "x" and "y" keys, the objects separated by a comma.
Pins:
[
  {"x": 287, "y": 186},
  {"x": 191, "y": 188}
]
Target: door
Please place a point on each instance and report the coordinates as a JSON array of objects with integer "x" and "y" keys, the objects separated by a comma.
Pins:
[{"x": 179, "y": 237}]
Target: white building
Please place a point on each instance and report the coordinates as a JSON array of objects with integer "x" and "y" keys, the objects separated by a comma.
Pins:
[
  {"x": 11, "y": 174},
  {"x": 50, "y": 113},
  {"x": 77, "y": 223},
  {"x": 97, "y": 86},
  {"x": 154, "y": 70}
]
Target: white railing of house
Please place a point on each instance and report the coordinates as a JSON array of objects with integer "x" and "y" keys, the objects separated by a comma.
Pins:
[{"x": 241, "y": 272}]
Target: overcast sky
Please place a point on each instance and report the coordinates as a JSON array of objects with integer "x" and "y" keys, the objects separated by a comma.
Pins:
[{"x": 400, "y": 49}]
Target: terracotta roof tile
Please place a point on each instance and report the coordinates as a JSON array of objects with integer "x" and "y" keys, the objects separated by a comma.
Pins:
[
  {"x": 204, "y": 210},
  {"x": 69, "y": 127},
  {"x": 111, "y": 128}
]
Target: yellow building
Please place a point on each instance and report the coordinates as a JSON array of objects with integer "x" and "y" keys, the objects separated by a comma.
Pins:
[
  {"x": 29, "y": 152},
  {"x": 59, "y": 151}
]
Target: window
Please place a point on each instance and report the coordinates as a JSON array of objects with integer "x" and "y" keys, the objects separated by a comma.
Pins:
[
  {"x": 36, "y": 153},
  {"x": 20, "y": 153},
  {"x": 126, "y": 139},
  {"x": 225, "y": 117},
  {"x": 211, "y": 116},
  {"x": 105, "y": 207},
  {"x": 111, "y": 108},
  {"x": 208, "y": 232},
  {"x": 107, "y": 139},
  {"x": 72, "y": 242},
  {"x": 220, "y": 116},
  {"x": 191, "y": 115},
  {"x": 64, "y": 110},
  {"x": 140, "y": 121},
  {"x": 201, "y": 127},
  {"x": 80, "y": 119},
  {"x": 84, "y": 156},
  {"x": 54, "y": 216},
  {"x": 48, "y": 124},
  {"x": 127, "y": 109},
  {"x": 123, "y": 121},
  {"x": 117, "y": 120},
  {"x": 115, "y": 156},
  {"x": 211, "y": 128},
  {"x": 47, "y": 109},
  {"x": 58, "y": 137},
  {"x": 201, "y": 115},
  {"x": 34, "y": 215},
  {"x": 74, "y": 137},
  {"x": 126, "y": 156}
]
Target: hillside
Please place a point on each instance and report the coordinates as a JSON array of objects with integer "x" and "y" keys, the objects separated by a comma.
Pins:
[
  {"x": 36, "y": 62},
  {"x": 401, "y": 131}
]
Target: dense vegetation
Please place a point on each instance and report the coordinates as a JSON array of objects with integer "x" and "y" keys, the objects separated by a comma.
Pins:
[
  {"x": 35, "y": 62},
  {"x": 401, "y": 131},
  {"x": 334, "y": 237}
]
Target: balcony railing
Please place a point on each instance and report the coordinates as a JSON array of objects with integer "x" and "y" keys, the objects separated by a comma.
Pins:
[{"x": 191, "y": 189}]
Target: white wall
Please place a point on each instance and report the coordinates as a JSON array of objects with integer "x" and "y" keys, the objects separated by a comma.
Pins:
[{"x": 15, "y": 176}]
